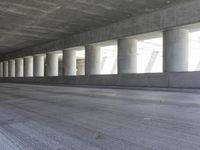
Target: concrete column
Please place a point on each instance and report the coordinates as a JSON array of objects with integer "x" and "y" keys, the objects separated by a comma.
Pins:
[
  {"x": 38, "y": 65},
  {"x": 127, "y": 56},
  {"x": 5, "y": 68},
  {"x": 1, "y": 69},
  {"x": 52, "y": 64},
  {"x": 175, "y": 50},
  {"x": 12, "y": 68},
  {"x": 92, "y": 60},
  {"x": 28, "y": 66},
  {"x": 19, "y": 67},
  {"x": 69, "y": 62},
  {"x": 60, "y": 65}
]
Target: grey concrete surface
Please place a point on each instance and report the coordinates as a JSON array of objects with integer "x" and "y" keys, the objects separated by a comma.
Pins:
[
  {"x": 155, "y": 20},
  {"x": 33, "y": 22},
  {"x": 175, "y": 50},
  {"x": 1, "y": 69},
  {"x": 127, "y": 56},
  {"x": 69, "y": 62},
  {"x": 34, "y": 117},
  {"x": 11, "y": 68},
  {"x": 52, "y": 62},
  {"x": 183, "y": 80},
  {"x": 5, "y": 69},
  {"x": 28, "y": 66},
  {"x": 19, "y": 67},
  {"x": 92, "y": 60},
  {"x": 38, "y": 65},
  {"x": 161, "y": 80}
]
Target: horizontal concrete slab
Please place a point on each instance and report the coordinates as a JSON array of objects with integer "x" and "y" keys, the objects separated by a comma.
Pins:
[{"x": 179, "y": 15}]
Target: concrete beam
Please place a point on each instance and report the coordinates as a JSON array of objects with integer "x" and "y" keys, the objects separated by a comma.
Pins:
[{"x": 179, "y": 15}]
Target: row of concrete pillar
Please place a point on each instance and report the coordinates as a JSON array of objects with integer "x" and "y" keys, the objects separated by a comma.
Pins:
[
  {"x": 175, "y": 58},
  {"x": 22, "y": 67},
  {"x": 35, "y": 65},
  {"x": 175, "y": 54}
]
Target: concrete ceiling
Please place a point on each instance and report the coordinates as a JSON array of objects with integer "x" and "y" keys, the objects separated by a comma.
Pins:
[{"x": 25, "y": 23}]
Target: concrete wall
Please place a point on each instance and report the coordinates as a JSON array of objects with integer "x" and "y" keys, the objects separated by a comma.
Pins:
[
  {"x": 179, "y": 15},
  {"x": 162, "y": 80}
]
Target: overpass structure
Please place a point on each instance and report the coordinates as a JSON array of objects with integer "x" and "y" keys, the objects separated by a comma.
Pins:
[{"x": 73, "y": 75}]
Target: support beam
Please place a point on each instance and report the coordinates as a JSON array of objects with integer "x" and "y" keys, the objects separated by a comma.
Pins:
[
  {"x": 158, "y": 20},
  {"x": 60, "y": 65},
  {"x": 52, "y": 64},
  {"x": 28, "y": 66},
  {"x": 1, "y": 69},
  {"x": 92, "y": 60},
  {"x": 69, "y": 62},
  {"x": 38, "y": 65},
  {"x": 175, "y": 50},
  {"x": 127, "y": 56},
  {"x": 5, "y": 69},
  {"x": 19, "y": 67},
  {"x": 12, "y": 68}
]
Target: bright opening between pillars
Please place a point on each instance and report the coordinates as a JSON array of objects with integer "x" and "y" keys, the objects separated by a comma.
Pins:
[
  {"x": 194, "y": 51},
  {"x": 150, "y": 56},
  {"x": 109, "y": 59},
  {"x": 80, "y": 62}
]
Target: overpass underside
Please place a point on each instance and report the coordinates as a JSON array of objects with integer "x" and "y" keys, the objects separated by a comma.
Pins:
[
  {"x": 55, "y": 93},
  {"x": 57, "y": 61}
]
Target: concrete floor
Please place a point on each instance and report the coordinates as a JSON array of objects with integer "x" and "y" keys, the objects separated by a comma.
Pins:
[{"x": 34, "y": 117}]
